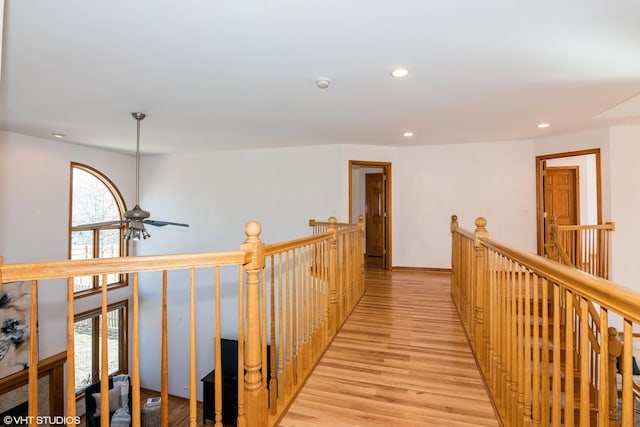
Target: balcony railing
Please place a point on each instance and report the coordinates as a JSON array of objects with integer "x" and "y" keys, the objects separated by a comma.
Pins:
[
  {"x": 544, "y": 334},
  {"x": 293, "y": 294}
]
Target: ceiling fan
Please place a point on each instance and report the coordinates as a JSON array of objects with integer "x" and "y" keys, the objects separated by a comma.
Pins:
[{"x": 137, "y": 217}]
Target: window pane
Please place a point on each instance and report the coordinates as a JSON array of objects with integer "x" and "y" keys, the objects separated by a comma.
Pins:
[
  {"x": 81, "y": 245},
  {"x": 87, "y": 335},
  {"x": 113, "y": 340},
  {"x": 92, "y": 201},
  {"x": 109, "y": 247},
  {"x": 83, "y": 342},
  {"x": 82, "y": 248}
]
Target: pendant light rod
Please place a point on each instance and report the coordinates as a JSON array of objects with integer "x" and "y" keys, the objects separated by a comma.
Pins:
[{"x": 139, "y": 117}]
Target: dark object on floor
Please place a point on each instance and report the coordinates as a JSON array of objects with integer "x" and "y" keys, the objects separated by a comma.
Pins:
[{"x": 229, "y": 350}]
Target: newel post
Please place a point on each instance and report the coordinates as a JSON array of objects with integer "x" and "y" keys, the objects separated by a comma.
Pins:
[
  {"x": 615, "y": 350},
  {"x": 333, "y": 276},
  {"x": 481, "y": 288},
  {"x": 454, "y": 259},
  {"x": 255, "y": 391}
]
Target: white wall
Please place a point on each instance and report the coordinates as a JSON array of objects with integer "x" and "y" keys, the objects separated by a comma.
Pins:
[
  {"x": 431, "y": 183},
  {"x": 217, "y": 193},
  {"x": 625, "y": 204},
  {"x": 34, "y": 218}
]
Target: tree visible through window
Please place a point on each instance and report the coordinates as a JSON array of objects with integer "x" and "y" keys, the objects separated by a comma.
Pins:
[{"x": 94, "y": 199}]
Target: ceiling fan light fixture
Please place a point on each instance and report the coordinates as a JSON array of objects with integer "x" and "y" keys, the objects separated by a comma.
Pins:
[
  {"x": 136, "y": 231},
  {"x": 136, "y": 234}
]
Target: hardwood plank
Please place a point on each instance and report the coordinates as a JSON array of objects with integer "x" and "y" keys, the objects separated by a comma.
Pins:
[{"x": 402, "y": 358}]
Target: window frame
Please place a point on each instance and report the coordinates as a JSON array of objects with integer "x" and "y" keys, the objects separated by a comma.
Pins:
[
  {"x": 124, "y": 247},
  {"x": 123, "y": 358}
]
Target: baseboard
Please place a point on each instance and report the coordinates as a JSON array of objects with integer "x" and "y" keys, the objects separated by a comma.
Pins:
[{"x": 425, "y": 269}]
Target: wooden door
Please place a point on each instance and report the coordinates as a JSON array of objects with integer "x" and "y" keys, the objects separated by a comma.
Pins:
[
  {"x": 561, "y": 201},
  {"x": 561, "y": 194},
  {"x": 375, "y": 204}
]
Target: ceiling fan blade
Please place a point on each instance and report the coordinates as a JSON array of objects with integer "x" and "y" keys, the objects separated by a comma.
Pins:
[
  {"x": 98, "y": 225},
  {"x": 163, "y": 223}
]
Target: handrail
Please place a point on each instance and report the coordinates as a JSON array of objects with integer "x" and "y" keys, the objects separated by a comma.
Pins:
[
  {"x": 606, "y": 226},
  {"x": 129, "y": 264},
  {"x": 274, "y": 248},
  {"x": 621, "y": 299},
  {"x": 541, "y": 333}
]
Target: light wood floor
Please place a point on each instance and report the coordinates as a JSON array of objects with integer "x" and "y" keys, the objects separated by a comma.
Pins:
[{"x": 401, "y": 359}]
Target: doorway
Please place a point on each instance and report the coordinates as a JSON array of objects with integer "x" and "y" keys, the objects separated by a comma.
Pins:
[
  {"x": 370, "y": 196},
  {"x": 568, "y": 187}
]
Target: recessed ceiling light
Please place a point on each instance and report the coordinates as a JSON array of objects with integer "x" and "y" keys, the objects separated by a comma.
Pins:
[
  {"x": 407, "y": 134},
  {"x": 543, "y": 125},
  {"x": 400, "y": 72},
  {"x": 58, "y": 135}
]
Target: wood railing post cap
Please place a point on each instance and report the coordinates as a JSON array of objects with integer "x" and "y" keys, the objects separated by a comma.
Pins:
[
  {"x": 252, "y": 229},
  {"x": 333, "y": 220},
  {"x": 454, "y": 218},
  {"x": 481, "y": 222}
]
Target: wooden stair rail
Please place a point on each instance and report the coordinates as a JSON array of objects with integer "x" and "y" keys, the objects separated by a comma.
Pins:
[
  {"x": 310, "y": 285},
  {"x": 546, "y": 352},
  {"x": 586, "y": 247}
]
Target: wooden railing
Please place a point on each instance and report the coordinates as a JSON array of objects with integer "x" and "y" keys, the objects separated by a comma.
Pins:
[
  {"x": 586, "y": 247},
  {"x": 547, "y": 354},
  {"x": 294, "y": 295}
]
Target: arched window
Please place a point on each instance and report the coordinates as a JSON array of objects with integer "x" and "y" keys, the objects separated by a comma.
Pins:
[{"x": 95, "y": 199}]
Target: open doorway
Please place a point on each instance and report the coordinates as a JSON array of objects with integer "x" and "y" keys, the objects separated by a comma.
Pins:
[
  {"x": 370, "y": 196},
  {"x": 568, "y": 187}
]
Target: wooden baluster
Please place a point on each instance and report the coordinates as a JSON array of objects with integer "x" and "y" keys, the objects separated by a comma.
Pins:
[
  {"x": 627, "y": 374},
  {"x": 333, "y": 288},
  {"x": 361, "y": 234},
  {"x": 585, "y": 403},
  {"x": 480, "y": 289},
  {"x": 255, "y": 391},
  {"x": 164, "y": 361},
  {"x": 135, "y": 347},
  {"x": 556, "y": 405},
  {"x": 242, "y": 419},
  {"x": 104, "y": 359},
  {"x": 289, "y": 334},
  {"x": 295, "y": 310},
  {"x": 281, "y": 389},
  {"x": 33, "y": 355},
  {"x": 269, "y": 369},
  {"x": 535, "y": 339},
  {"x": 71, "y": 380},
  {"x": 569, "y": 340},
  {"x": 217, "y": 346},
  {"x": 193, "y": 408}
]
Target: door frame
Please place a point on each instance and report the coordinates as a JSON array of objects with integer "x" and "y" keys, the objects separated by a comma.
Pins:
[
  {"x": 386, "y": 166},
  {"x": 540, "y": 166}
]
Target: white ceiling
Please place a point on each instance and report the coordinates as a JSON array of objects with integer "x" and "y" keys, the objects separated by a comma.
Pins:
[{"x": 214, "y": 74}]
